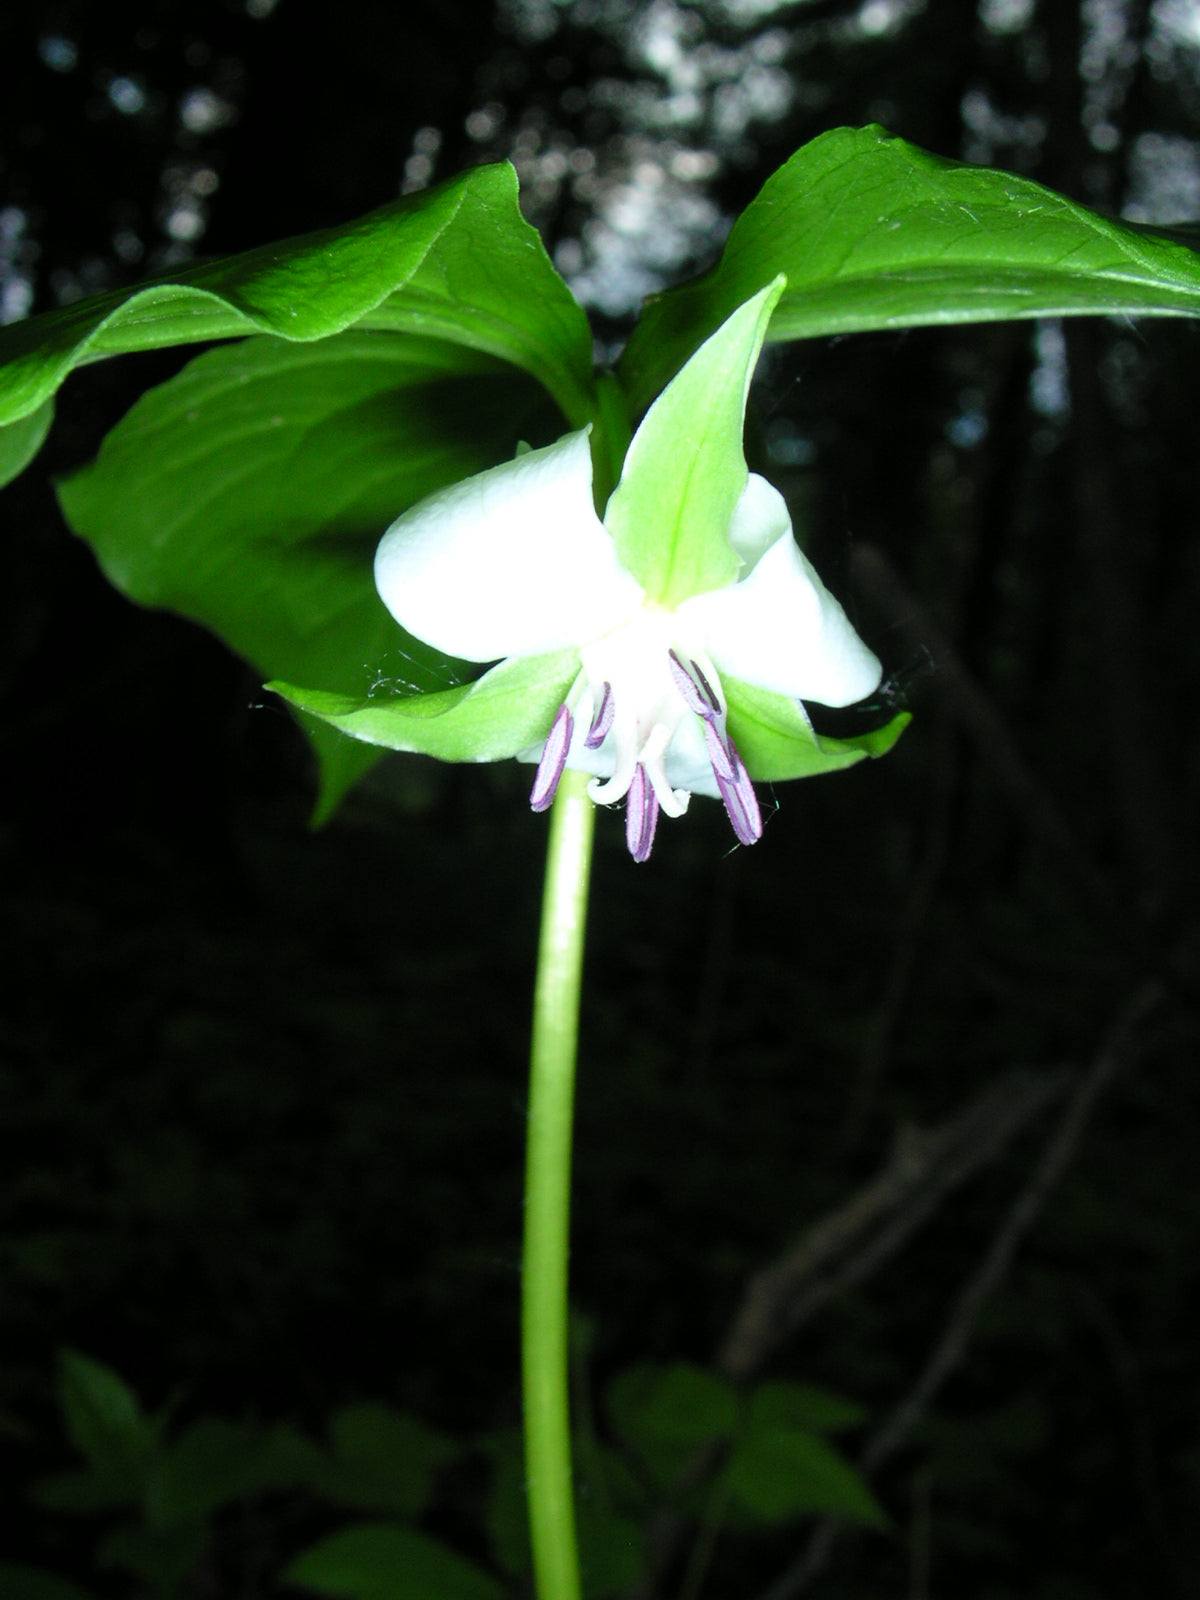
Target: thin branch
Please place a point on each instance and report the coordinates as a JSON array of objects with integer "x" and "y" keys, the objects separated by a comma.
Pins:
[{"x": 846, "y": 1246}]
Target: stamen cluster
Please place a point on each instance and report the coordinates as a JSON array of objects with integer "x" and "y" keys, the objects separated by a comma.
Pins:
[{"x": 643, "y": 736}]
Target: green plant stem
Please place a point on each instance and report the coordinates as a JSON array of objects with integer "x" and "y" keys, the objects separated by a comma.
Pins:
[{"x": 548, "y": 1193}]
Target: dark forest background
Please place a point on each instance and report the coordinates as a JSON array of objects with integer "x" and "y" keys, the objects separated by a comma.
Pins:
[{"x": 902, "y": 1101}]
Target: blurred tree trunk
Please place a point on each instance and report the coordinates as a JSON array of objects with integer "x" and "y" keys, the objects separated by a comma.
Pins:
[{"x": 1140, "y": 789}]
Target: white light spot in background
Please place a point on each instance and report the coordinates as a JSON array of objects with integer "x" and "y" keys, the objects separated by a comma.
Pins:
[
  {"x": 1164, "y": 180},
  {"x": 787, "y": 446},
  {"x": 1005, "y": 16},
  {"x": 882, "y": 16},
  {"x": 969, "y": 428},
  {"x": 418, "y": 169},
  {"x": 201, "y": 111},
  {"x": 185, "y": 223},
  {"x": 645, "y": 223},
  {"x": 128, "y": 96},
  {"x": 1178, "y": 20},
  {"x": 1048, "y": 392},
  {"x": 57, "y": 53},
  {"x": 16, "y": 298},
  {"x": 484, "y": 123},
  {"x": 696, "y": 82},
  {"x": 16, "y": 251},
  {"x": 127, "y": 246}
]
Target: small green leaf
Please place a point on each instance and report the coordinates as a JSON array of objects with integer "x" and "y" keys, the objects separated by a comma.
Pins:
[
  {"x": 508, "y": 710},
  {"x": 381, "y": 1459},
  {"x": 776, "y": 741},
  {"x": 215, "y": 1462},
  {"x": 780, "y": 1404},
  {"x": 19, "y": 1582},
  {"x": 457, "y": 261},
  {"x": 248, "y": 493},
  {"x": 670, "y": 514},
  {"x": 105, "y": 1423},
  {"x": 776, "y": 1473},
  {"x": 667, "y": 1413},
  {"x": 377, "y": 1561},
  {"x": 874, "y": 233}
]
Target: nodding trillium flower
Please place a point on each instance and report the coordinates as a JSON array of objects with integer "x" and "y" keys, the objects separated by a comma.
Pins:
[
  {"x": 666, "y": 647},
  {"x": 516, "y": 563}
]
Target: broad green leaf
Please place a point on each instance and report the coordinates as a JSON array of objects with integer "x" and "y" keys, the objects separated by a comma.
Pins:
[
  {"x": 780, "y": 1404},
  {"x": 22, "y": 440},
  {"x": 19, "y": 1582},
  {"x": 666, "y": 1413},
  {"x": 380, "y": 1459},
  {"x": 670, "y": 514},
  {"x": 508, "y": 710},
  {"x": 489, "y": 283},
  {"x": 248, "y": 493},
  {"x": 875, "y": 233},
  {"x": 458, "y": 261},
  {"x": 776, "y": 1473},
  {"x": 776, "y": 740},
  {"x": 105, "y": 1423},
  {"x": 378, "y": 1561}
]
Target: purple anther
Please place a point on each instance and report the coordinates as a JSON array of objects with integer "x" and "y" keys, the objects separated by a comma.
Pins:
[
  {"x": 719, "y": 747},
  {"x": 740, "y": 800},
  {"x": 554, "y": 759},
  {"x": 602, "y": 721},
  {"x": 705, "y": 686},
  {"x": 641, "y": 815},
  {"x": 693, "y": 687}
]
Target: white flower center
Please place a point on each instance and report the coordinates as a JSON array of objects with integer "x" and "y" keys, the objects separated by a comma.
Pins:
[
  {"x": 648, "y": 710},
  {"x": 647, "y": 716}
]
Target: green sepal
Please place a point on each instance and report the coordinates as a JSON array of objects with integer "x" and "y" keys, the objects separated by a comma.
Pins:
[
  {"x": 684, "y": 471},
  {"x": 458, "y": 262},
  {"x": 506, "y": 711},
  {"x": 776, "y": 740},
  {"x": 873, "y": 232}
]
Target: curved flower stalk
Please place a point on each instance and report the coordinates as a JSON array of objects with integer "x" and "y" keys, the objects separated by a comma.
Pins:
[{"x": 666, "y": 648}]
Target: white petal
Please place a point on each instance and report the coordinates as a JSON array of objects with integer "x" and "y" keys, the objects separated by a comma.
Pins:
[
  {"x": 511, "y": 562},
  {"x": 759, "y": 519},
  {"x": 779, "y": 628}
]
